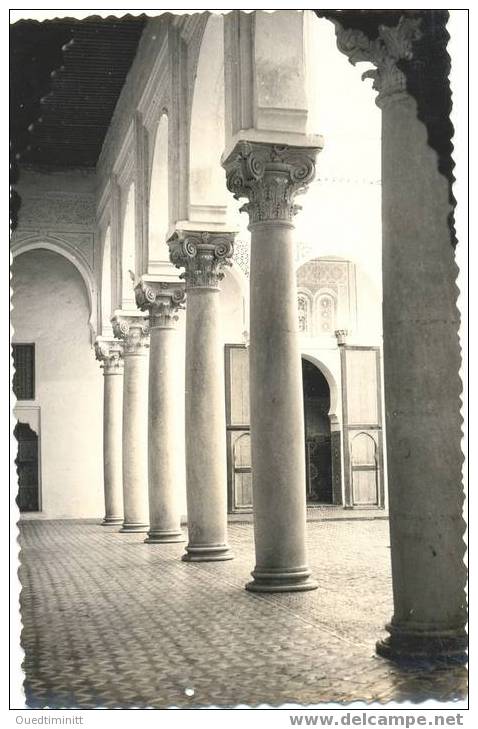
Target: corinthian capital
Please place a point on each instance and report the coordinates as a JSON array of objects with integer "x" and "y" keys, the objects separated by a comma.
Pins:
[
  {"x": 161, "y": 299},
  {"x": 392, "y": 45},
  {"x": 110, "y": 353},
  {"x": 203, "y": 255},
  {"x": 133, "y": 330},
  {"x": 270, "y": 176}
]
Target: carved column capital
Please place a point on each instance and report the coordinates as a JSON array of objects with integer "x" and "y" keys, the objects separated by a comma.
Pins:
[
  {"x": 133, "y": 330},
  {"x": 392, "y": 45},
  {"x": 203, "y": 255},
  {"x": 270, "y": 176},
  {"x": 341, "y": 335},
  {"x": 161, "y": 299},
  {"x": 110, "y": 353}
]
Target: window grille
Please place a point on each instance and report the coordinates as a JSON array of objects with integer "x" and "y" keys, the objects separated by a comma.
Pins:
[{"x": 24, "y": 371}]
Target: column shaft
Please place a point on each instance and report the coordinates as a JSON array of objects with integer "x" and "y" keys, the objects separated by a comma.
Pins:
[
  {"x": 270, "y": 176},
  {"x": 110, "y": 353},
  {"x": 112, "y": 447},
  {"x": 422, "y": 397},
  {"x": 277, "y": 418},
  {"x": 166, "y": 396},
  {"x": 421, "y": 359},
  {"x": 135, "y": 440},
  {"x": 203, "y": 255},
  {"x": 165, "y": 399},
  {"x": 206, "y": 474}
]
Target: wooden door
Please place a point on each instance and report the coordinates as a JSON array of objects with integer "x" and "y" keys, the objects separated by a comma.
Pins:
[
  {"x": 364, "y": 470},
  {"x": 27, "y": 468},
  {"x": 362, "y": 418},
  {"x": 242, "y": 471},
  {"x": 318, "y": 469}
]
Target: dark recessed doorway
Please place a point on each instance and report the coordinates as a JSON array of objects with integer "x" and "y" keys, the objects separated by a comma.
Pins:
[{"x": 318, "y": 454}]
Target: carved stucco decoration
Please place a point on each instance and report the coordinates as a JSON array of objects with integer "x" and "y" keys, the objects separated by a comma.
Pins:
[
  {"x": 110, "y": 353},
  {"x": 318, "y": 273},
  {"x": 58, "y": 208},
  {"x": 270, "y": 176},
  {"x": 242, "y": 255},
  {"x": 133, "y": 330},
  {"x": 162, "y": 300},
  {"x": 393, "y": 44},
  {"x": 304, "y": 253},
  {"x": 203, "y": 255},
  {"x": 329, "y": 290}
]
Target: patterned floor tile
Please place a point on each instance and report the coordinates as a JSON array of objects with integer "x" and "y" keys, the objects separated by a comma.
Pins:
[{"x": 112, "y": 622}]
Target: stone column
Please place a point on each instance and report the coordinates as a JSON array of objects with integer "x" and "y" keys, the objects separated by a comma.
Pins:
[
  {"x": 421, "y": 367},
  {"x": 271, "y": 176},
  {"x": 203, "y": 255},
  {"x": 110, "y": 353},
  {"x": 166, "y": 396},
  {"x": 132, "y": 329}
]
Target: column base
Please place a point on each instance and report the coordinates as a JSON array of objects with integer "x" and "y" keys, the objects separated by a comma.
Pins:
[
  {"x": 134, "y": 527},
  {"x": 424, "y": 648},
  {"x": 281, "y": 580},
  {"x": 112, "y": 521},
  {"x": 164, "y": 537},
  {"x": 207, "y": 553}
]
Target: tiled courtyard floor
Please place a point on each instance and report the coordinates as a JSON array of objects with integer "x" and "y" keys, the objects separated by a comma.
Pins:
[{"x": 112, "y": 622}]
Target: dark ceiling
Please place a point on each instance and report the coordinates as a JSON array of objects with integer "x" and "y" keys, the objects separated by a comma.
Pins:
[{"x": 65, "y": 79}]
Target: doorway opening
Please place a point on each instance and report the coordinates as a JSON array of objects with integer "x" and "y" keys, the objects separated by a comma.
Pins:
[{"x": 318, "y": 450}]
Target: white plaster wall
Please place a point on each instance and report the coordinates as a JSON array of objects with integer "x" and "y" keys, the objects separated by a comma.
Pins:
[
  {"x": 128, "y": 251},
  {"x": 51, "y": 310},
  {"x": 206, "y": 176},
  {"x": 232, "y": 310},
  {"x": 158, "y": 250},
  {"x": 106, "y": 307}
]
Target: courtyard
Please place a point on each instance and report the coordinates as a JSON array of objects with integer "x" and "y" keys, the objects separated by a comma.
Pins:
[{"x": 111, "y": 622}]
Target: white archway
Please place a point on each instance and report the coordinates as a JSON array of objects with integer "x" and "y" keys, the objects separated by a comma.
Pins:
[{"x": 58, "y": 245}]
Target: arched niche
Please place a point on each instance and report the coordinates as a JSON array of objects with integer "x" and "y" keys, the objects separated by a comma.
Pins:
[
  {"x": 304, "y": 309},
  {"x": 128, "y": 252},
  {"x": 51, "y": 309},
  {"x": 57, "y": 245},
  {"x": 208, "y": 196},
  {"x": 325, "y": 305},
  {"x": 105, "y": 296},
  {"x": 158, "y": 221}
]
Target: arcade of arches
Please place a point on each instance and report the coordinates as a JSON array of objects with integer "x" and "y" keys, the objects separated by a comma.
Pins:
[{"x": 246, "y": 366}]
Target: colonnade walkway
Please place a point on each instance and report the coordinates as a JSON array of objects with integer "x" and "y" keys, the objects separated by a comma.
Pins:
[{"x": 110, "y": 621}]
